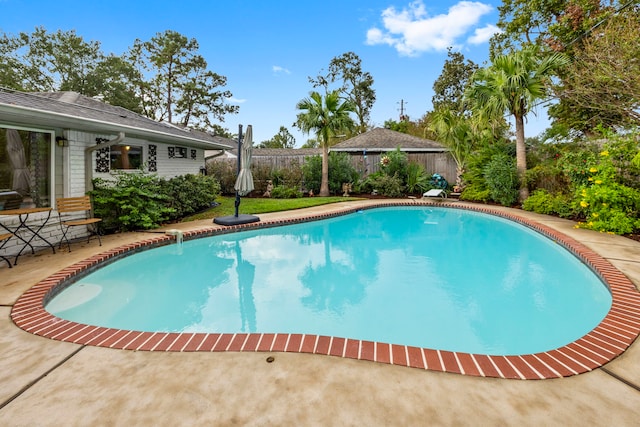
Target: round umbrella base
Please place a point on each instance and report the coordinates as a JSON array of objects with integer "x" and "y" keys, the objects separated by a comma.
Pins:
[{"x": 236, "y": 220}]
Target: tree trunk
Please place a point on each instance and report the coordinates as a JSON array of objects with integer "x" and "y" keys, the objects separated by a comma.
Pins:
[
  {"x": 324, "y": 184},
  {"x": 521, "y": 158}
]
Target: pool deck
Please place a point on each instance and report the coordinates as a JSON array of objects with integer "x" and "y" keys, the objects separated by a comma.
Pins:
[{"x": 48, "y": 382}]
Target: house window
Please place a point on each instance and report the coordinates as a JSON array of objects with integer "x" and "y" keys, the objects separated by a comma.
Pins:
[
  {"x": 26, "y": 166},
  {"x": 177, "y": 152},
  {"x": 125, "y": 157}
]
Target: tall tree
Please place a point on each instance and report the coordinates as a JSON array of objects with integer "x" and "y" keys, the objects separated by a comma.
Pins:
[
  {"x": 450, "y": 85},
  {"x": 179, "y": 88},
  {"x": 328, "y": 117},
  {"x": 12, "y": 69},
  {"x": 283, "y": 139},
  {"x": 311, "y": 143},
  {"x": 605, "y": 73},
  {"x": 561, "y": 26},
  {"x": 43, "y": 61},
  {"x": 513, "y": 84},
  {"x": 356, "y": 85},
  {"x": 114, "y": 81}
]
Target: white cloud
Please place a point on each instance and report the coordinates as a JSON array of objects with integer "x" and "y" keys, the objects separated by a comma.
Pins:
[
  {"x": 234, "y": 100},
  {"x": 280, "y": 70},
  {"x": 482, "y": 35},
  {"x": 412, "y": 30}
]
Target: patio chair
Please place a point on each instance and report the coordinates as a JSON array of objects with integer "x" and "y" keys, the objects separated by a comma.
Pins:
[
  {"x": 5, "y": 238},
  {"x": 76, "y": 212}
]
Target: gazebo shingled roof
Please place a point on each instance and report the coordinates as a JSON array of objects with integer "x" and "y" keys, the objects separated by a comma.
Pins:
[{"x": 381, "y": 139}]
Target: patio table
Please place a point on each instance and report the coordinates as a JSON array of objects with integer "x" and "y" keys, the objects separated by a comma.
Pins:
[{"x": 25, "y": 232}]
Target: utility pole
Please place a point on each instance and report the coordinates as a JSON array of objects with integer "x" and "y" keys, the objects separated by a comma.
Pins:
[{"x": 402, "y": 116}]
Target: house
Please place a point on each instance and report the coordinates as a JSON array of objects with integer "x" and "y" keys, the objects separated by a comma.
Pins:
[
  {"x": 53, "y": 145},
  {"x": 368, "y": 148}
]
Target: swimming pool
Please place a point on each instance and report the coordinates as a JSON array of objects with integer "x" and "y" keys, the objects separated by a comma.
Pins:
[
  {"x": 427, "y": 277},
  {"x": 608, "y": 339}
]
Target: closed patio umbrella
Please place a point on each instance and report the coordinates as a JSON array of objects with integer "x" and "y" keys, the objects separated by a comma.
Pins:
[
  {"x": 244, "y": 181},
  {"x": 21, "y": 174}
]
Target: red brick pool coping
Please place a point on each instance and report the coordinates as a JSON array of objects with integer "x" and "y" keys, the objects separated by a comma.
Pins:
[{"x": 608, "y": 340}]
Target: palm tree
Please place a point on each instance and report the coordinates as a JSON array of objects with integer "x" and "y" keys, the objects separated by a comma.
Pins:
[
  {"x": 328, "y": 117},
  {"x": 455, "y": 132},
  {"x": 513, "y": 84}
]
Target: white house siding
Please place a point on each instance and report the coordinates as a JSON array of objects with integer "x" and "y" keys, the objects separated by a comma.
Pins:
[
  {"x": 170, "y": 167},
  {"x": 78, "y": 141}
]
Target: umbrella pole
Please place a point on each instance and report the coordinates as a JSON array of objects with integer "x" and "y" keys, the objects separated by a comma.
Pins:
[
  {"x": 237, "y": 203},
  {"x": 238, "y": 218}
]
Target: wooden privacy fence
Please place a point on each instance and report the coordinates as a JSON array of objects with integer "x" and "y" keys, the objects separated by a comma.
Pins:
[{"x": 441, "y": 163}]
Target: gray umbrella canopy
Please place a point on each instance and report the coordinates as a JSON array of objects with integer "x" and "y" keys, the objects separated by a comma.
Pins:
[
  {"x": 244, "y": 182},
  {"x": 21, "y": 174}
]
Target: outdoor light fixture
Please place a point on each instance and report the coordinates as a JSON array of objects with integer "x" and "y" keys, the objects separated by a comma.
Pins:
[{"x": 62, "y": 141}]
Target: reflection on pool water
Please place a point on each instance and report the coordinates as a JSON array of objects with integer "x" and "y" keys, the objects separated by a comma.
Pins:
[{"x": 429, "y": 277}]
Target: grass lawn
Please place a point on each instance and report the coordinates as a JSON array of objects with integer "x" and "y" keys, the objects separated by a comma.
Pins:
[{"x": 254, "y": 206}]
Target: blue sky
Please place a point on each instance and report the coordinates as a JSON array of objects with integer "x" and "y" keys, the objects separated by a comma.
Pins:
[{"x": 268, "y": 49}]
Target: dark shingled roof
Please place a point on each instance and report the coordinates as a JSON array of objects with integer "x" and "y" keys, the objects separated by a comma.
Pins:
[
  {"x": 257, "y": 152},
  {"x": 75, "y": 111},
  {"x": 381, "y": 139},
  {"x": 280, "y": 152}
]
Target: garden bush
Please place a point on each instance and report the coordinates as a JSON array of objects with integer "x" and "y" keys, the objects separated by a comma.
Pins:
[
  {"x": 261, "y": 174},
  {"x": 603, "y": 202},
  {"x": 284, "y": 192},
  {"x": 139, "y": 201},
  {"x": 476, "y": 188},
  {"x": 417, "y": 179},
  {"x": 132, "y": 201},
  {"x": 226, "y": 172},
  {"x": 189, "y": 194},
  {"x": 501, "y": 177},
  {"x": 395, "y": 163},
  {"x": 340, "y": 171},
  {"x": 543, "y": 202},
  {"x": 382, "y": 184}
]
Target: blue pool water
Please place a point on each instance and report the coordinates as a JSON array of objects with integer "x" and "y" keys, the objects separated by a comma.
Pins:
[{"x": 439, "y": 278}]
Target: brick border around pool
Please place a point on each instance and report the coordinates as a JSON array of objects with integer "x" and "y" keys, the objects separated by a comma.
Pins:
[{"x": 615, "y": 333}]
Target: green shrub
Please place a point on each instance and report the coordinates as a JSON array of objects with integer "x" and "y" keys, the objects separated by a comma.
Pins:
[
  {"x": 395, "y": 163},
  {"x": 226, "y": 172},
  {"x": 605, "y": 203},
  {"x": 139, "y": 201},
  {"x": 312, "y": 173},
  {"x": 261, "y": 175},
  {"x": 543, "y": 202},
  {"x": 132, "y": 201},
  {"x": 383, "y": 184},
  {"x": 189, "y": 194},
  {"x": 283, "y": 192},
  {"x": 340, "y": 171},
  {"x": 291, "y": 175},
  {"x": 474, "y": 193},
  {"x": 575, "y": 163},
  {"x": 476, "y": 188},
  {"x": 501, "y": 177},
  {"x": 417, "y": 179},
  {"x": 547, "y": 176}
]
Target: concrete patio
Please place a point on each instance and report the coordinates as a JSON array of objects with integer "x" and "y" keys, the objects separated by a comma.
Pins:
[{"x": 46, "y": 382}]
